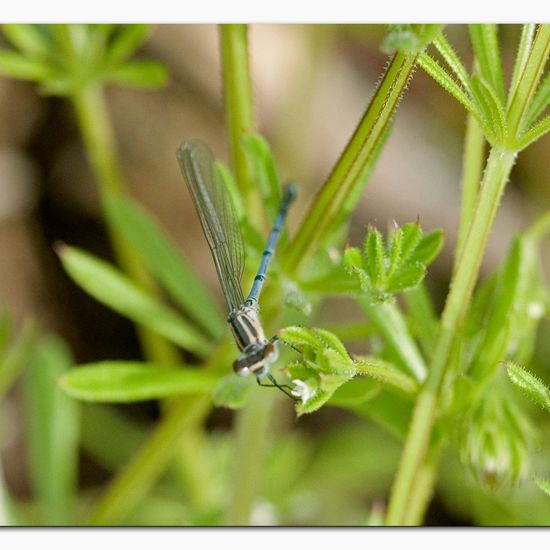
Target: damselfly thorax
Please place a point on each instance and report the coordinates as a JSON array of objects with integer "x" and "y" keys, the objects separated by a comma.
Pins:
[{"x": 258, "y": 351}]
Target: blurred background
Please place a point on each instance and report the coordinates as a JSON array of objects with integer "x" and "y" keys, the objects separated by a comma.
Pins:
[{"x": 311, "y": 85}]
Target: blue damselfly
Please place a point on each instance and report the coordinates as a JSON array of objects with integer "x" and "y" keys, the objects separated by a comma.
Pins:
[{"x": 221, "y": 228}]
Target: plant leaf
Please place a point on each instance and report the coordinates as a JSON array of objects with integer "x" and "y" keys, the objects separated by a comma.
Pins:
[
  {"x": 139, "y": 74},
  {"x": 16, "y": 65},
  {"x": 534, "y": 133},
  {"x": 126, "y": 41},
  {"x": 453, "y": 60},
  {"x": 129, "y": 381},
  {"x": 17, "y": 356},
  {"x": 32, "y": 40},
  {"x": 440, "y": 75},
  {"x": 387, "y": 374},
  {"x": 233, "y": 391},
  {"x": 109, "y": 286},
  {"x": 265, "y": 172},
  {"x": 524, "y": 49},
  {"x": 161, "y": 257},
  {"x": 530, "y": 384},
  {"x": 53, "y": 422},
  {"x": 484, "y": 40},
  {"x": 539, "y": 102},
  {"x": 492, "y": 108}
]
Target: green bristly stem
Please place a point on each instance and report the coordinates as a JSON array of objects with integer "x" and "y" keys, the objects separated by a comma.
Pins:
[
  {"x": 251, "y": 428},
  {"x": 348, "y": 171},
  {"x": 472, "y": 168},
  {"x": 239, "y": 108},
  {"x": 252, "y": 421},
  {"x": 95, "y": 126},
  {"x": 469, "y": 257},
  {"x": 497, "y": 171}
]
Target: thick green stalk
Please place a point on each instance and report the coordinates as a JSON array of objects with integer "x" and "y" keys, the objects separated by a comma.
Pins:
[
  {"x": 252, "y": 421},
  {"x": 497, "y": 171},
  {"x": 98, "y": 136},
  {"x": 472, "y": 169},
  {"x": 423, "y": 486},
  {"x": 238, "y": 105},
  {"x": 251, "y": 428},
  {"x": 349, "y": 169}
]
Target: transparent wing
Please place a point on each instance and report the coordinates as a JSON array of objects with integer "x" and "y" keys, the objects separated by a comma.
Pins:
[{"x": 217, "y": 216}]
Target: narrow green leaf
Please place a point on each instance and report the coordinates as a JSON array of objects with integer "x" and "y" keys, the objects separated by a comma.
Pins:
[
  {"x": 386, "y": 374},
  {"x": 395, "y": 254},
  {"x": 530, "y": 384},
  {"x": 423, "y": 320},
  {"x": 356, "y": 391},
  {"x": 540, "y": 101},
  {"x": 16, "y": 65},
  {"x": 432, "y": 67},
  {"x": 265, "y": 172},
  {"x": 231, "y": 185},
  {"x": 411, "y": 236},
  {"x": 524, "y": 49},
  {"x": 534, "y": 133},
  {"x": 129, "y": 381},
  {"x": 126, "y": 41},
  {"x": 520, "y": 102},
  {"x": 484, "y": 40},
  {"x": 32, "y": 40},
  {"x": 375, "y": 256},
  {"x": 392, "y": 411},
  {"x": 544, "y": 485},
  {"x": 492, "y": 108},
  {"x": 17, "y": 357},
  {"x": 453, "y": 60},
  {"x": 389, "y": 322},
  {"x": 233, "y": 391},
  {"x": 109, "y": 286},
  {"x": 407, "y": 277},
  {"x": 53, "y": 428},
  {"x": 428, "y": 248},
  {"x": 163, "y": 260},
  {"x": 140, "y": 74},
  {"x": 495, "y": 324}
]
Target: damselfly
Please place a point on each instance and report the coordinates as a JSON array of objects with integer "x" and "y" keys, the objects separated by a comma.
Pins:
[{"x": 221, "y": 228}]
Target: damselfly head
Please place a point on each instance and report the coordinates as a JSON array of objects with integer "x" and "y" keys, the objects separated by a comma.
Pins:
[{"x": 256, "y": 359}]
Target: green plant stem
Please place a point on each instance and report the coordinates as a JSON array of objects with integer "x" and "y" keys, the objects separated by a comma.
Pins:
[
  {"x": 98, "y": 135},
  {"x": 499, "y": 165},
  {"x": 252, "y": 421},
  {"x": 348, "y": 172},
  {"x": 238, "y": 106},
  {"x": 472, "y": 168},
  {"x": 422, "y": 489},
  {"x": 252, "y": 426},
  {"x": 137, "y": 477}
]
